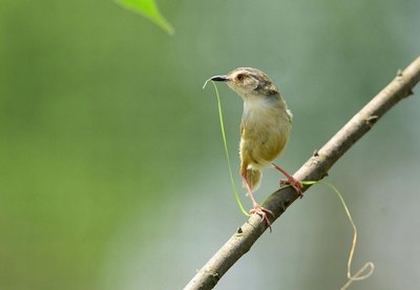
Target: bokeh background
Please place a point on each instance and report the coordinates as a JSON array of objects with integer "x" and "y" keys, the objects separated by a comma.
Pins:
[{"x": 112, "y": 171}]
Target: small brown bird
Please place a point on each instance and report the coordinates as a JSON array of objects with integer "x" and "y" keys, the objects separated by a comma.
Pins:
[{"x": 265, "y": 128}]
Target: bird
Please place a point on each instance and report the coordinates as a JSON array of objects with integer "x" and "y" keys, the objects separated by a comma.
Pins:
[{"x": 265, "y": 128}]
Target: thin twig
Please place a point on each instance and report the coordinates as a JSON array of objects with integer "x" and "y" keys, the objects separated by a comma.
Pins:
[{"x": 314, "y": 169}]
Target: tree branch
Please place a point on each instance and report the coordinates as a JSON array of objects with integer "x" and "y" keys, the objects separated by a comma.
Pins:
[{"x": 314, "y": 169}]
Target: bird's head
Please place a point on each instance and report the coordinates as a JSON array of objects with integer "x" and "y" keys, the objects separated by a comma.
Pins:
[{"x": 248, "y": 82}]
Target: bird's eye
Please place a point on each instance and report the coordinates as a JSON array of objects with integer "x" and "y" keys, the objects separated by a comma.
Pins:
[{"x": 240, "y": 77}]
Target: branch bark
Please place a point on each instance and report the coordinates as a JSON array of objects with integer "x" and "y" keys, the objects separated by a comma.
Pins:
[{"x": 314, "y": 169}]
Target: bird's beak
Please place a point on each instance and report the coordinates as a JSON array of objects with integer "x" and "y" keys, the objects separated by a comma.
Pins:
[{"x": 219, "y": 78}]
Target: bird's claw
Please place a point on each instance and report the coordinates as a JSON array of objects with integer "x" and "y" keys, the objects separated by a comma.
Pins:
[
  {"x": 262, "y": 212},
  {"x": 296, "y": 184}
]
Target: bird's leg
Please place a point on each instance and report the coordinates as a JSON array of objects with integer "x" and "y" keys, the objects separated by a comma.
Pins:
[
  {"x": 256, "y": 207},
  {"x": 293, "y": 182}
]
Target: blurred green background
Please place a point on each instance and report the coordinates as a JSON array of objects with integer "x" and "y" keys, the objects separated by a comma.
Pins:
[{"x": 112, "y": 171}]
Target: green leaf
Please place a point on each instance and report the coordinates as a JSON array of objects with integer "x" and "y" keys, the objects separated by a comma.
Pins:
[{"x": 148, "y": 9}]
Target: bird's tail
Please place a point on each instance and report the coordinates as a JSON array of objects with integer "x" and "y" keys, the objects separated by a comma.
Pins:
[{"x": 253, "y": 176}]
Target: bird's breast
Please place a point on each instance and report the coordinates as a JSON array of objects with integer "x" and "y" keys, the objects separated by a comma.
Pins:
[{"x": 264, "y": 133}]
